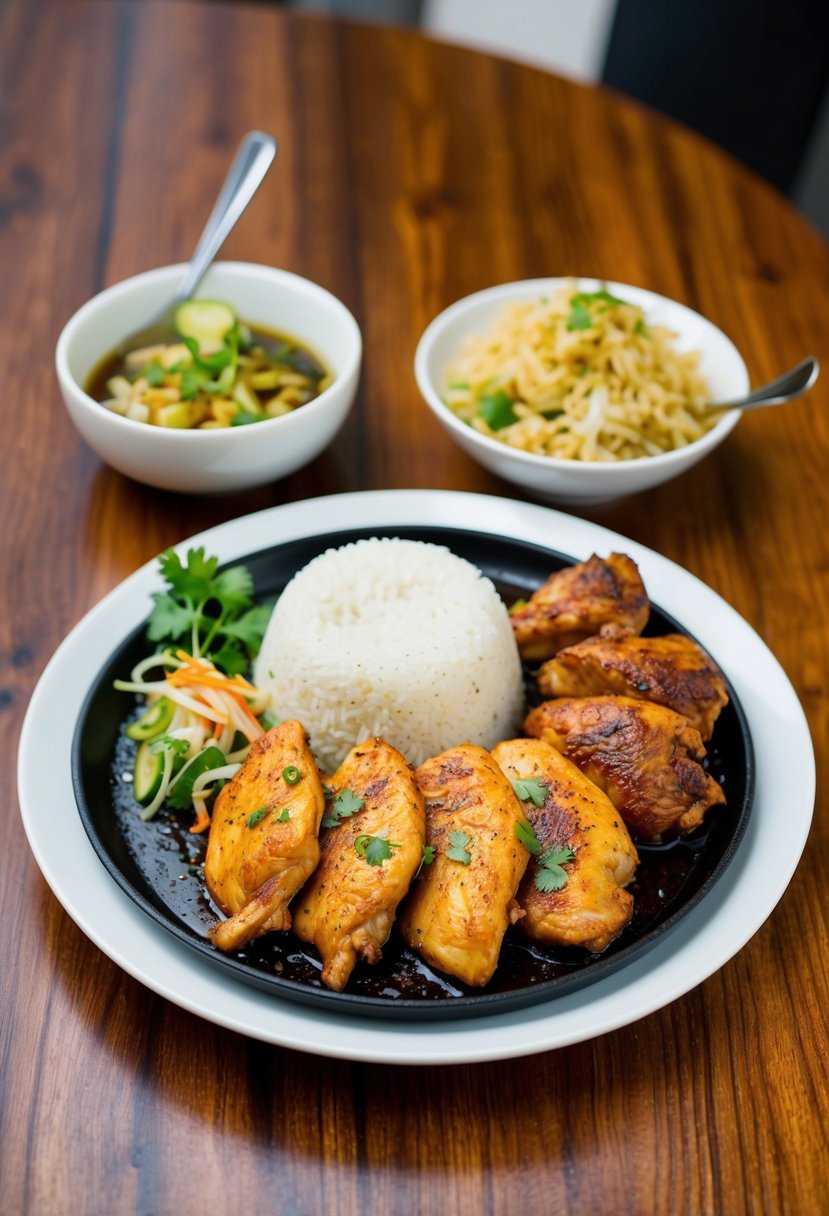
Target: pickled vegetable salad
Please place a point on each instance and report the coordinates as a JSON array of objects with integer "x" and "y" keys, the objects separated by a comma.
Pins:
[
  {"x": 201, "y": 713},
  {"x": 217, "y": 372}
]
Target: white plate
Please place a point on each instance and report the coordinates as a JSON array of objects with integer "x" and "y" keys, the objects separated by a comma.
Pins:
[{"x": 708, "y": 936}]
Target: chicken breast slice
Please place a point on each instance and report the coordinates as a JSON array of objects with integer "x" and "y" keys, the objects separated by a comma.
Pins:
[
  {"x": 348, "y": 907},
  {"x": 263, "y": 836},
  {"x": 462, "y": 904},
  {"x": 591, "y": 908}
]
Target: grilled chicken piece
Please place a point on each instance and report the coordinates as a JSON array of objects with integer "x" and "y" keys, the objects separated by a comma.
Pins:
[
  {"x": 460, "y": 908},
  {"x": 671, "y": 670},
  {"x": 592, "y": 907},
  {"x": 348, "y": 908},
  {"x": 643, "y": 756},
  {"x": 263, "y": 836},
  {"x": 575, "y": 602}
]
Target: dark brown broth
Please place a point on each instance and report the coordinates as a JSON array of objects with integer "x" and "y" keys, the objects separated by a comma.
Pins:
[{"x": 299, "y": 357}]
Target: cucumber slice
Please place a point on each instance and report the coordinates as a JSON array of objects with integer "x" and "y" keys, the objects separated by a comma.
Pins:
[
  {"x": 154, "y": 721},
  {"x": 147, "y": 774},
  {"x": 208, "y": 321},
  {"x": 181, "y": 795}
]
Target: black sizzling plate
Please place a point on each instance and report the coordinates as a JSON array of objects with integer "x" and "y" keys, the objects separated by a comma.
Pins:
[{"x": 158, "y": 864}]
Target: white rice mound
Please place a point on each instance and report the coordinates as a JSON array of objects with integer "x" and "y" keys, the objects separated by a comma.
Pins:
[{"x": 395, "y": 638}]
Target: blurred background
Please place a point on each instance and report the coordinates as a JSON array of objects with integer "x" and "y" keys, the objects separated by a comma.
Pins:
[{"x": 751, "y": 75}]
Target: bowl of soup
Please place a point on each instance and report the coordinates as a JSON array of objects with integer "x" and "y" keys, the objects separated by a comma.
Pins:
[{"x": 253, "y": 381}]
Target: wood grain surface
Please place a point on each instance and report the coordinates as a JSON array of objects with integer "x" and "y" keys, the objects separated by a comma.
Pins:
[{"x": 409, "y": 174}]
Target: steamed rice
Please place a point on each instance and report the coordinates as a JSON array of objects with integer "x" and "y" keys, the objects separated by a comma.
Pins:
[{"x": 394, "y": 638}]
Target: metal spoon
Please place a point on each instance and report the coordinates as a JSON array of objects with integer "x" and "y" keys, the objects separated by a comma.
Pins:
[
  {"x": 791, "y": 384},
  {"x": 250, "y": 165}
]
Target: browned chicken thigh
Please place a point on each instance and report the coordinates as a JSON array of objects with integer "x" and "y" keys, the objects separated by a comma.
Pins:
[
  {"x": 369, "y": 858},
  {"x": 590, "y": 907},
  {"x": 463, "y": 903},
  {"x": 263, "y": 836},
  {"x": 671, "y": 670},
  {"x": 575, "y": 602},
  {"x": 643, "y": 756}
]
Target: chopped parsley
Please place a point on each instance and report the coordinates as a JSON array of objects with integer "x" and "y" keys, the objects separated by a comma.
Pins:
[
  {"x": 551, "y": 875},
  {"x": 459, "y": 850},
  {"x": 343, "y": 806}
]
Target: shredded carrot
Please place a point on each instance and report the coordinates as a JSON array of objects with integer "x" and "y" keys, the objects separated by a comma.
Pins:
[
  {"x": 202, "y": 820},
  {"x": 210, "y": 679},
  {"x": 248, "y": 712}
]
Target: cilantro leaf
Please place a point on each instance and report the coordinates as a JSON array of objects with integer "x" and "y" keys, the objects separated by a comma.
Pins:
[
  {"x": 579, "y": 318},
  {"x": 344, "y": 805},
  {"x": 530, "y": 790},
  {"x": 250, "y": 627},
  {"x": 191, "y": 579},
  {"x": 169, "y": 618},
  {"x": 374, "y": 849},
  {"x": 526, "y": 834},
  {"x": 214, "y": 607},
  {"x": 257, "y": 816},
  {"x": 233, "y": 587},
  {"x": 154, "y": 374},
  {"x": 551, "y": 875},
  {"x": 231, "y": 658},
  {"x": 428, "y": 854},
  {"x": 284, "y": 816},
  {"x": 459, "y": 850},
  {"x": 496, "y": 410}
]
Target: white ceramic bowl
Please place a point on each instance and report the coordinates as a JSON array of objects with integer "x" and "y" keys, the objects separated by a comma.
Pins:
[
  {"x": 222, "y": 460},
  {"x": 570, "y": 481}
]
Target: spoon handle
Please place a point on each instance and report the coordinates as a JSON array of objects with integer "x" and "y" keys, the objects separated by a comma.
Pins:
[
  {"x": 250, "y": 165},
  {"x": 791, "y": 384}
]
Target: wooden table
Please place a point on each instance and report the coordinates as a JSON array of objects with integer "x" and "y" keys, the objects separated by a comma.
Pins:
[{"x": 409, "y": 174}]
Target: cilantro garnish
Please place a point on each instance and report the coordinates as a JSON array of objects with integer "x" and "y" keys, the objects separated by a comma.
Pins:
[
  {"x": 374, "y": 849},
  {"x": 581, "y": 304},
  {"x": 284, "y": 816},
  {"x": 526, "y": 834},
  {"x": 343, "y": 806},
  {"x": 459, "y": 850},
  {"x": 551, "y": 876},
  {"x": 428, "y": 855},
  {"x": 154, "y": 374},
  {"x": 215, "y": 609},
  {"x": 257, "y": 816},
  {"x": 530, "y": 790},
  {"x": 496, "y": 410}
]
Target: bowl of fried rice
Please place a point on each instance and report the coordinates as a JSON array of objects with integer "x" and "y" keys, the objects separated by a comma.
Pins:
[{"x": 579, "y": 390}]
